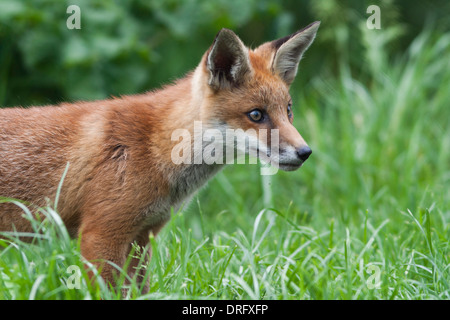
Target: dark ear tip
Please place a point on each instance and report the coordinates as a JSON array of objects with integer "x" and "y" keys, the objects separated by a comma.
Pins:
[
  {"x": 310, "y": 27},
  {"x": 315, "y": 25},
  {"x": 225, "y": 32},
  {"x": 225, "y": 36}
]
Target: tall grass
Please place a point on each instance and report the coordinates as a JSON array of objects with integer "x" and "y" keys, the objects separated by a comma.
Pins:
[{"x": 365, "y": 218}]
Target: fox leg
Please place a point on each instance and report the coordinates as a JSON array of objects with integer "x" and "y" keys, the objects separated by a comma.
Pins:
[
  {"x": 106, "y": 244},
  {"x": 138, "y": 263}
]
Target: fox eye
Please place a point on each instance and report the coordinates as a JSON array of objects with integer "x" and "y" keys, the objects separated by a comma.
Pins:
[
  {"x": 255, "y": 115},
  {"x": 289, "y": 110}
]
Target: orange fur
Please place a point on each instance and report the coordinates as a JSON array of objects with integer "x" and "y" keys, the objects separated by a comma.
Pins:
[{"x": 121, "y": 182}]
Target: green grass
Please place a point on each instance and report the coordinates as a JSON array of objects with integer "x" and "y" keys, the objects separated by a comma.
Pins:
[{"x": 365, "y": 218}]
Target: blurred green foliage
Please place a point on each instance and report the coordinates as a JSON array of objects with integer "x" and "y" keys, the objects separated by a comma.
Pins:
[{"x": 132, "y": 46}]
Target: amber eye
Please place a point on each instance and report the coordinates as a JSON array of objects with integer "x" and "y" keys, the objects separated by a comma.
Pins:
[
  {"x": 289, "y": 110},
  {"x": 256, "y": 115}
]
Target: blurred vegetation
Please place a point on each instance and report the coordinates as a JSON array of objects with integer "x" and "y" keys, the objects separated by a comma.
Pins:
[{"x": 131, "y": 46}]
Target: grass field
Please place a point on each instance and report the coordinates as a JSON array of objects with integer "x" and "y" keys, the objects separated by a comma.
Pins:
[{"x": 366, "y": 217}]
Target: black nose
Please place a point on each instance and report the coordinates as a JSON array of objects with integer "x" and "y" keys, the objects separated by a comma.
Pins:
[{"x": 304, "y": 153}]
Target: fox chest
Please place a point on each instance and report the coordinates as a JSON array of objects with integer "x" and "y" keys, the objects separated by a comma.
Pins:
[{"x": 182, "y": 187}]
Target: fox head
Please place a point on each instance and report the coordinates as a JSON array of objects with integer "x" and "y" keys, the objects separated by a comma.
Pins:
[{"x": 248, "y": 90}]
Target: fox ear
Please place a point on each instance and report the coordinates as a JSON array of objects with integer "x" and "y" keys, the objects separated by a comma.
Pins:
[
  {"x": 289, "y": 51},
  {"x": 227, "y": 61}
]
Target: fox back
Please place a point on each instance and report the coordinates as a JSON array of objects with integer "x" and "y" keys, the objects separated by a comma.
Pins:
[{"x": 121, "y": 155}]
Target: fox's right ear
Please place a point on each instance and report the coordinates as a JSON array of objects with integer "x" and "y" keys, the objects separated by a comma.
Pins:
[{"x": 228, "y": 61}]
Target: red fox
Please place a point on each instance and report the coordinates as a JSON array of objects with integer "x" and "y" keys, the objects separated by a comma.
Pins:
[{"x": 122, "y": 180}]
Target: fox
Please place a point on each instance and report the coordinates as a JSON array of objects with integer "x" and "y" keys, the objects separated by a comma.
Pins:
[{"x": 120, "y": 181}]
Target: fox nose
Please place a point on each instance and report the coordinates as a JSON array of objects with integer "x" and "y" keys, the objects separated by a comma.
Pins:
[{"x": 304, "y": 152}]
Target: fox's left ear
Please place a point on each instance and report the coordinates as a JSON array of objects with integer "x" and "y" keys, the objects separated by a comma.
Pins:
[{"x": 289, "y": 51}]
